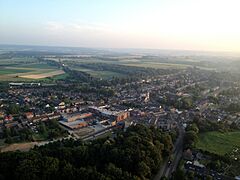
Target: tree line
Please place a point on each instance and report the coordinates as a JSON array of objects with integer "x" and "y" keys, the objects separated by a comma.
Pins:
[{"x": 134, "y": 154}]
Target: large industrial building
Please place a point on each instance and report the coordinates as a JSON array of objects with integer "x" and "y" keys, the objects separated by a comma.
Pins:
[
  {"x": 75, "y": 121},
  {"x": 100, "y": 114},
  {"x": 74, "y": 124},
  {"x": 112, "y": 115}
]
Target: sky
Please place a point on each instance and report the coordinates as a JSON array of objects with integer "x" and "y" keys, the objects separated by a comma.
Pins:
[{"x": 209, "y": 25}]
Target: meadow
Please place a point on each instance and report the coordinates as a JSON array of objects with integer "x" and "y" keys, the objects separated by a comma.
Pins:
[
  {"x": 100, "y": 74},
  {"x": 218, "y": 142}
]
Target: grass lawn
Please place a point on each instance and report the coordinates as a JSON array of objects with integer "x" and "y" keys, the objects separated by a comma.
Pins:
[
  {"x": 39, "y": 137},
  {"x": 219, "y": 143}
]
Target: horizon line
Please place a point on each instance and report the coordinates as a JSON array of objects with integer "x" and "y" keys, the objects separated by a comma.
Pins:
[{"x": 128, "y": 48}]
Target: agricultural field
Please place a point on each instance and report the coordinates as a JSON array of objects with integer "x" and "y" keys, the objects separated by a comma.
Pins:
[
  {"x": 19, "y": 69},
  {"x": 60, "y": 77},
  {"x": 100, "y": 74},
  {"x": 75, "y": 63},
  {"x": 6, "y": 71},
  {"x": 158, "y": 65},
  {"x": 138, "y": 62},
  {"x": 37, "y": 75},
  {"x": 30, "y": 68},
  {"x": 218, "y": 142}
]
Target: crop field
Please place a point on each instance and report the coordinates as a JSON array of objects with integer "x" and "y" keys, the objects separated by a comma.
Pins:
[
  {"x": 42, "y": 75},
  {"x": 37, "y": 66},
  {"x": 139, "y": 62},
  {"x": 133, "y": 61},
  {"x": 5, "y": 71},
  {"x": 17, "y": 61},
  {"x": 219, "y": 143},
  {"x": 60, "y": 76},
  {"x": 30, "y": 68},
  {"x": 18, "y": 69},
  {"x": 100, "y": 74},
  {"x": 158, "y": 65}
]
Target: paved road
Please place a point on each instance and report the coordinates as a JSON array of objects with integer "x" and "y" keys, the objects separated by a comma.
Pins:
[
  {"x": 166, "y": 169},
  {"x": 177, "y": 156}
]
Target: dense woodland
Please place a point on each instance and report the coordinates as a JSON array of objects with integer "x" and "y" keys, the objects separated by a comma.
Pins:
[
  {"x": 131, "y": 73},
  {"x": 134, "y": 154}
]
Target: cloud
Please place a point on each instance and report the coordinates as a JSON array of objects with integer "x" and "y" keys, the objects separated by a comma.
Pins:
[
  {"x": 58, "y": 27},
  {"x": 54, "y": 26},
  {"x": 92, "y": 28}
]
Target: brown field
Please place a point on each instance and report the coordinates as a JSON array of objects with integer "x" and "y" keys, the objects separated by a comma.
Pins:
[
  {"x": 43, "y": 75},
  {"x": 19, "y": 146}
]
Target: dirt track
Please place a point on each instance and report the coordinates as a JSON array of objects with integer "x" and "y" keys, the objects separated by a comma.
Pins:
[{"x": 19, "y": 146}]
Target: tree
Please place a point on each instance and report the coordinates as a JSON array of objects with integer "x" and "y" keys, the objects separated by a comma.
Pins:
[
  {"x": 168, "y": 144},
  {"x": 190, "y": 138},
  {"x": 68, "y": 171},
  {"x": 134, "y": 154},
  {"x": 209, "y": 177},
  {"x": 143, "y": 170},
  {"x": 28, "y": 170},
  {"x": 42, "y": 129},
  {"x": 191, "y": 175},
  {"x": 13, "y": 109},
  {"x": 50, "y": 167},
  {"x": 192, "y": 127},
  {"x": 178, "y": 175},
  {"x": 26, "y": 134}
]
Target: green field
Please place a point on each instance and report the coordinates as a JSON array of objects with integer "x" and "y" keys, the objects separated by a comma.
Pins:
[
  {"x": 17, "y": 61},
  {"x": 100, "y": 74},
  {"x": 17, "y": 69},
  {"x": 219, "y": 143},
  {"x": 158, "y": 65},
  {"x": 126, "y": 61},
  {"x": 38, "y": 66},
  {"x": 141, "y": 62},
  {"x": 109, "y": 74},
  {"x": 4, "y": 71},
  {"x": 60, "y": 77}
]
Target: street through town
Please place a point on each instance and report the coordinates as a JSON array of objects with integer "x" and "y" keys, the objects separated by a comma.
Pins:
[{"x": 167, "y": 169}]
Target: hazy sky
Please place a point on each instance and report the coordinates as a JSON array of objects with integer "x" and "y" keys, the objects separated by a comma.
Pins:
[{"x": 163, "y": 24}]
